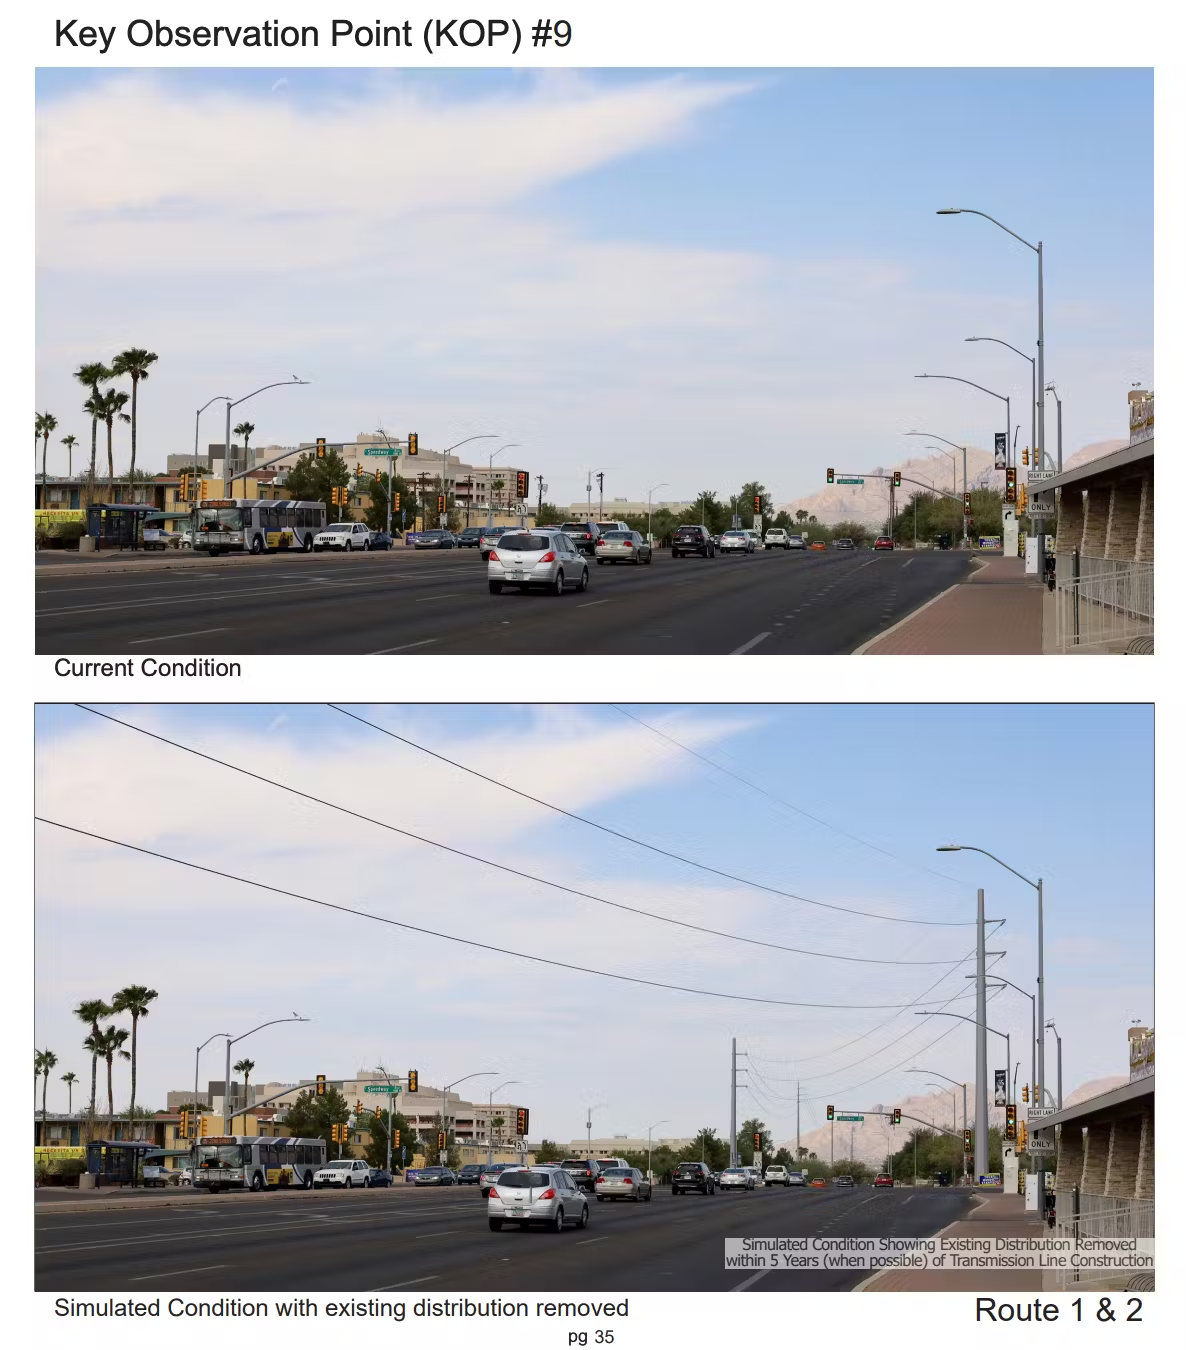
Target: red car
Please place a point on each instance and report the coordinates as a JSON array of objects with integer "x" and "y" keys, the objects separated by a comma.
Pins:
[
  {"x": 883, "y": 541},
  {"x": 883, "y": 1181}
]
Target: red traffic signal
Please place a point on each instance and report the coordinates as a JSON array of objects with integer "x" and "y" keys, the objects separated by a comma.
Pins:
[
  {"x": 757, "y": 1142},
  {"x": 522, "y": 484},
  {"x": 521, "y": 1118},
  {"x": 441, "y": 1141},
  {"x": 440, "y": 505},
  {"x": 757, "y": 505}
]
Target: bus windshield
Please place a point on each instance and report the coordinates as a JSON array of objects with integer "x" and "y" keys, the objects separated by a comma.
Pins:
[
  {"x": 220, "y": 1155},
  {"x": 217, "y": 520}
]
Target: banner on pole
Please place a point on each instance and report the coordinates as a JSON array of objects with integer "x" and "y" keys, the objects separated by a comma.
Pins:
[{"x": 1001, "y": 1087}]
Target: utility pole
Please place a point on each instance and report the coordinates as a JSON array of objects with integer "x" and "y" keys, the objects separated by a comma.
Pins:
[
  {"x": 601, "y": 496},
  {"x": 589, "y": 492},
  {"x": 797, "y": 1142},
  {"x": 539, "y": 478},
  {"x": 980, "y": 1146},
  {"x": 733, "y": 1108}
]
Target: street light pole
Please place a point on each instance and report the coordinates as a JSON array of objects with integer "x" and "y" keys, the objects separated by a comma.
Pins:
[
  {"x": 649, "y": 491},
  {"x": 228, "y": 1115},
  {"x": 482, "y": 1073},
  {"x": 964, "y": 448},
  {"x": 1050, "y": 389},
  {"x": 197, "y": 1056},
  {"x": 1050, "y": 1025},
  {"x": 390, "y": 1111},
  {"x": 494, "y": 454},
  {"x": 511, "y": 1082},
  {"x": 1033, "y": 1029},
  {"x": 276, "y": 384},
  {"x": 1033, "y": 392},
  {"x": 649, "y": 1129}
]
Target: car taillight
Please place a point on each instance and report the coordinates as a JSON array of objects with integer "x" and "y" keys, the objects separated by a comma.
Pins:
[
  {"x": 494, "y": 1195},
  {"x": 628, "y": 1180},
  {"x": 588, "y": 536},
  {"x": 628, "y": 543},
  {"x": 493, "y": 557},
  {"x": 549, "y": 1194},
  {"x": 548, "y": 557}
]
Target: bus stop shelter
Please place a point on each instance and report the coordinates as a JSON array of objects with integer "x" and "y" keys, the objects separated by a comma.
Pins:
[
  {"x": 116, "y": 526},
  {"x": 116, "y": 1162}
]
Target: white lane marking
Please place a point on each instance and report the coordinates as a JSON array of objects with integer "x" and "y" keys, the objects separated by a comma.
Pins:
[
  {"x": 586, "y": 1241},
  {"x": 746, "y": 1284},
  {"x": 750, "y": 645},
  {"x": 169, "y": 1274},
  {"x": 382, "y": 1289},
  {"x": 448, "y": 1232},
  {"x": 175, "y": 637},
  {"x": 590, "y": 603},
  {"x": 406, "y": 647},
  {"x": 424, "y": 599},
  {"x": 907, "y": 563}
]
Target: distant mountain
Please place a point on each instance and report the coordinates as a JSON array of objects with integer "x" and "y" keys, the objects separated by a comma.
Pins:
[{"x": 1093, "y": 451}]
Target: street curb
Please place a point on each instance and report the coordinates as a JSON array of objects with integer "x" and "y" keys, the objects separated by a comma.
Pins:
[
  {"x": 863, "y": 649},
  {"x": 863, "y": 1287}
]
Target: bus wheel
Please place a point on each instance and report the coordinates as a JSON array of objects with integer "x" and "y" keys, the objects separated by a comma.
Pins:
[
  {"x": 257, "y": 1182},
  {"x": 257, "y": 545},
  {"x": 309, "y": 1179},
  {"x": 309, "y": 542}
]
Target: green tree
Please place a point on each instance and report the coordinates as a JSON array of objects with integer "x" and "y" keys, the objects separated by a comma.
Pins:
[
  {"x": 244, "y": 1066},
  {"x": 70, "y": 442},
  {"x": 90, "y": 376},
  {"x": 70, "y": 1079},
  {"x": 434, "y": 1156},
  {"x": 46, "y": 423},
  {"x": 745, "y": 1139},
  {"x": 549, "y": 1151},
  {"x": 859, "y": 533},
  {"x": 376, "y": 485},
  {"x": 133, "y": 999},
  {"x": 43, "y": 1062},
  {"x": 92, "y": 1011},
  {"x": 547, "y": 514},
  {"x": 311, "y": 1116},
  {"x": 707, "y": 1147},
  {"x": 245, "y": 429},
  {"x": 134, "y": 363},
  {"x": 311, "y": 479},
  {"x": 378, "y": 1122}
]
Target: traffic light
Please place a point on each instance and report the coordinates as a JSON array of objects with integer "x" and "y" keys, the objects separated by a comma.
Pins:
[
  {"x": 831, "y": 1113},
  {"x": 204, "y": 1126},
  {"x": 757, "y": 505},
  {"x": 967, "y": 1141},
  {"x": 413, "y": 443},
  {"x": 183, "y": 488},
  {"x": 1025, "y": 1092},
  {"x": 1025, "y": 455},
  {"x": 897, "y": 478},
  {"x": 440, "y": 504},
  {"x": 358, "y": 471},
  {"x": 522, "y": 484},
  {"x": 1023, "y": 497},
  {"x": 440, "y": 1141},
  {"x": 967, "y": 503},
  {"x": 1011, "y": 1121},
  {"x": 831, "y": 475},
  {"x": 1022, "y": 1135},
  {"x": 521, "y": 1118},
  {"x": 395, "y": 1139},
  {"x": 395, "y": 501},
  {"x": 321, "y": 447},
  {"x": 1010, "y": 485},
  {"x": 897, "y": 1115},
  {"x": 183, "y": 1127},
  {"x": 358, "y": 1108},
  {"x": 413, "y": 1081},
  {"x": 321, "y": 1085},
  {"x": 757, "y": 1142}
]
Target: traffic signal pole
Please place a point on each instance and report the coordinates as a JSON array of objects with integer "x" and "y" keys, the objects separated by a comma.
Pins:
[
  {"x": 733, "y": 1108},
  {"x": 980, "y": 1143}
]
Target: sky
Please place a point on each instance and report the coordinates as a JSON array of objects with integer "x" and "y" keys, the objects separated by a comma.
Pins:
[
  {"x": 694, "y": 278},
  {"x": 830, "y": 808}
]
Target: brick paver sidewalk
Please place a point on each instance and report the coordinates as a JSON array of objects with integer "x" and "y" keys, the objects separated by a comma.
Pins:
[
  {"x": 996, "y": 611},
  {"x": 996, "y": 1215}
]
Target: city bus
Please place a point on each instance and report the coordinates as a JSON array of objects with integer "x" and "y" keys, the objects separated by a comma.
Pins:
[
  {"x": 255, "y": 1162},
  {"x": 235, "y": 524}
]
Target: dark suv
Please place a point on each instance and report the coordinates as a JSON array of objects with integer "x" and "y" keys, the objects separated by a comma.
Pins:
[
  {"x": 692, "y": 1176},
  {"x": 692, "y": 539},
  {"x": 584, "y": 1172},
  {"x": 584, "y": 535}
]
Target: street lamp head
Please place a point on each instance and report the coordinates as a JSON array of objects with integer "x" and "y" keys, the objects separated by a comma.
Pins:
[
  {"x": 950, "y": 211},
  {"x": 949, "y": 848}
]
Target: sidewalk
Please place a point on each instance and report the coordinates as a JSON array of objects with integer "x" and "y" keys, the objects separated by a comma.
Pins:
[
  {"x": 995, "y": 611},
  {"x": 996, "y": 1215}
]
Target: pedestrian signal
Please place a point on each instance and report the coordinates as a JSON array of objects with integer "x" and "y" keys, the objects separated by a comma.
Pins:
[
  {"x": 413, "y": 1081},
  {"x": 321, "y": 1085},
  {"x": 831, "y": 1113},
  {"x": 413, "y": 444},
  {"x": 522, "y": 484},
  {"x": 897, "y": 1115},
  {"x": 897, "y": 478},
  {"x": 1011, "y": 1121},
  {"x": 321, "y": 447},
  {"x": 967, "y": 503},
  {"x": 831, "y": 475}
]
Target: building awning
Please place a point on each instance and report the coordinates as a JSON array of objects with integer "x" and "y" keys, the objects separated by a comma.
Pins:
[
  {"x": 1127, "y": 457},
  {"x": 1106, "y": 1104},
  {"x": 154, "y": 516}
]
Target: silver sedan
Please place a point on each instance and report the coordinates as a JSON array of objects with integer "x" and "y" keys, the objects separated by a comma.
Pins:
[
  {"x": 622, "y": 1183},
  {"x": 545, "y": 1195},
  {"x": 546, "y": 558},
  {"x": 622, "y": 546},
  {"x": 736, "y": 541}
]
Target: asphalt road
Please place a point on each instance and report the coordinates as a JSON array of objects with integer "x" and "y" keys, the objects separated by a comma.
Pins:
[
  {"x": 426, "y": 1242},
  {"x": 767, "y": 603}
]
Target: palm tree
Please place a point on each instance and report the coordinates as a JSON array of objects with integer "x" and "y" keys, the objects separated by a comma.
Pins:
[
  {"x": 70, "y": 1079},
  {"x": 70, "y": 442},
  {"x": 44, "y": 1060},
  {"x": 108, "y": 407},
  {"x": 245, "y": 1066},
  {"x": 91, "y": 1011},
  {"x": 133, "y": 999},
  {"x": 46, "y": 422},
  {"x": 245, "y": 429},
  {"x": 92, "y": 375},
  {"x": 107, "y": 1044},
  {"x": 134, "y": 364}
]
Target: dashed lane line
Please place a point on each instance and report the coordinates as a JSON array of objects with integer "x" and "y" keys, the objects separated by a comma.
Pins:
[
  {"x": 176, "y": 637},
  {"x": 386, "y": 651},
  {"x": 750, "y": 645},
  {"x": 170, "y": 1274}
]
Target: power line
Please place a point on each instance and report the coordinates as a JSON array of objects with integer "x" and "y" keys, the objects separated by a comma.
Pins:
[
  {"x": 448, "y": 937},
  {"x": 753, "y": 787},
  {"x": 503, "y": 867},
  {"x": 642, "y": 843}
]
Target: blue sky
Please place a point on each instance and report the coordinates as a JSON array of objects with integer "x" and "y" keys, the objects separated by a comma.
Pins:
[
  {"x": 885, "y": 784},
  {"x": 660, "y": 273}
]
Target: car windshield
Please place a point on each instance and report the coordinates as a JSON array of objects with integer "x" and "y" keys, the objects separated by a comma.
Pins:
[
  {"x": 735, "y": 534},
  {"x": 616, "y": 534},
  {"x": 617, "y": 1172},
  {"x": 337, "y": 529},
  {"x": 574, "y": 527},
  {"x": 523, "y": 1180},
  {"x": 338, "y": 1165},
  {"x": 733, "y": 1172},
  {"x": 525, "y": 543}
]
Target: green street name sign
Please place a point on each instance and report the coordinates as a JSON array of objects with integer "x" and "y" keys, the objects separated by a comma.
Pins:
[
  {"x": 839, "y": 1116},
  {"x": 857, "y": 481},
  {"x": 381, "y": 1087},
  {"x": 383, "y": 450}
]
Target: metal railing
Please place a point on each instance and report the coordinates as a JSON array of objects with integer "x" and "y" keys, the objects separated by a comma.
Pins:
[
  {"x": 1102, "y": 604},
  {"x": 1084, "y": 1215}
]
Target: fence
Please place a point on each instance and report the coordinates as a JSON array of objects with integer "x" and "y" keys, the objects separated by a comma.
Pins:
[
  {"x": 1103, "y": 604},
  {"x": 1082, "y": 1215}
]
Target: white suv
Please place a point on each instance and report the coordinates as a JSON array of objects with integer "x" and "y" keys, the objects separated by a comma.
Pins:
[
  {"x": 777, "y": 1175},
  {"x": 347, "y": 535},
  {"x": 777, "y": 539},
  {"x": 343, "y": 1172}
]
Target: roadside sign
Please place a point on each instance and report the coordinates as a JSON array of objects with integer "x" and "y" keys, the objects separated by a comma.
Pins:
[
  {"x": 1036, "y": 507},
  {"x": 1040, "y": 1111},
  {"x": 1039, "y": 1145},
  {"x": 859, "y": 482},
  {"x": 1040, "y": 475},
  {"x": 379, "y": 1087},
  {"x": 382, "y": 450},
  {"x": 840, "y": 1115}
]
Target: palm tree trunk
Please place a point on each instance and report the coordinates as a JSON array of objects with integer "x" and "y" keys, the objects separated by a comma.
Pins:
[
  {"x": 110, "y": 464},
  {"x": 132, "y": 1106},
  {"x": 44, "y": 452},
  {"x": 131, "y": 478},
  {"x": 94, "y": 1080},
  {"x": 44, "y": 1086},
  {"x": 94, "y": 437},
  {"x": 110, "y": 1094},
  {"x": 69, "y": 1099}
]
